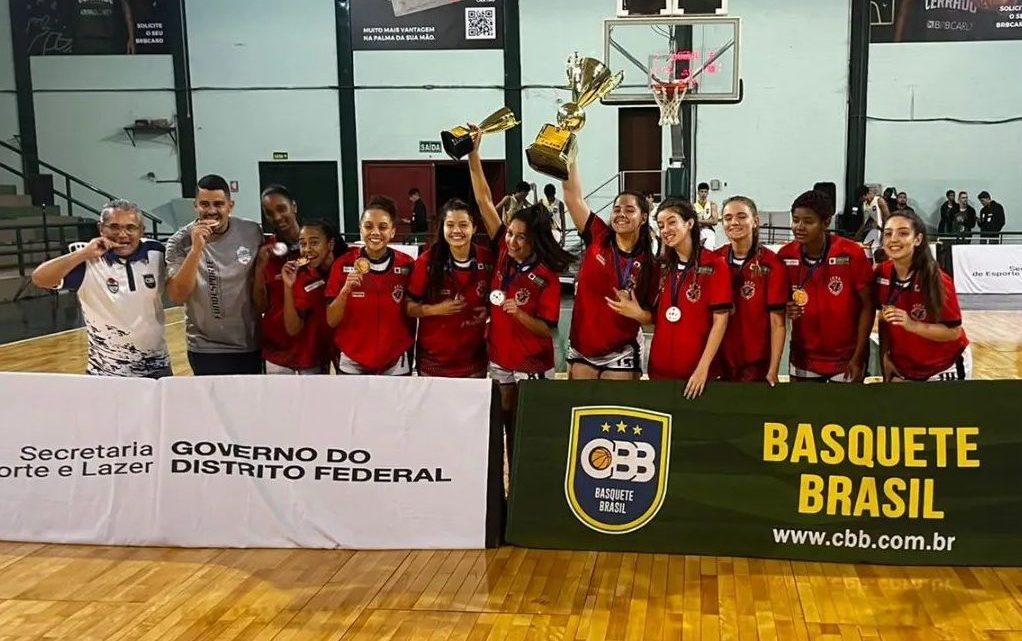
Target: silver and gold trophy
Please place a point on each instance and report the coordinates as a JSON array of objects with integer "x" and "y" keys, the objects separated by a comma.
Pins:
[
  {"x": 457, "y": 141},
  {"x": 556, "y": 146}
]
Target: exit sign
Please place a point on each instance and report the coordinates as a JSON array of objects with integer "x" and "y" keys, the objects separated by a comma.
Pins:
[
  {"x": 430, "y": 147},
  {"x": 280, "y": 155}
]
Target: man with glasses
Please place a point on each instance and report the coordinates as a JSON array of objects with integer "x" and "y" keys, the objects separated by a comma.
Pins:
[
  {"x": 119, "y": 277},
  {"x": 210, "y": 269}
]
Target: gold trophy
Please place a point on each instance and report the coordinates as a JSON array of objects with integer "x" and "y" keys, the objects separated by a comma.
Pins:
[
  {"x": 458, "y": 140},
  {"x": 555, "y": 147}
]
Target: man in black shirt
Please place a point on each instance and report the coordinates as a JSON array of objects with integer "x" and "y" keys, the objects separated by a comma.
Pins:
[
  {"x": 420, "y": 220},
  {"x": 901, "y": 204},
  {"x": 991, "y": 219},
  {"x": 963, "y": 219},
  {"x": 946, "y": 210}
]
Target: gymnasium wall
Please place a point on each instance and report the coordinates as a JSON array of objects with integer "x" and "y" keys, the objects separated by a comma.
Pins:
[
  {"x": 972, "y": 81},
  {"x": 263, "y": 79},
  {"x": 83, "y": 103},
  {"x": 8, "y": 97}
]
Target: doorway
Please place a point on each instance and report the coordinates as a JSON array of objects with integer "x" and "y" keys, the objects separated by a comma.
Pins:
[
  {"x": 312, "y": 183},
  {"x": 640, "y": 149}
]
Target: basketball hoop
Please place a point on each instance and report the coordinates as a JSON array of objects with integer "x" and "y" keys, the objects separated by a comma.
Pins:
[{"x": 668, "y": 97}]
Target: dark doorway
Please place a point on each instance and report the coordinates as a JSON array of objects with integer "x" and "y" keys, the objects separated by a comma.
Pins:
[
  {"x": 312, "y": 183},
  {"x": 640, "y": 149}
]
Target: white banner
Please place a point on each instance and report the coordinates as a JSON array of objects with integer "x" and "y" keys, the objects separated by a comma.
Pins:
[
  {"x": 274, "y": 461},
  {"x": 988, "y": 269}
]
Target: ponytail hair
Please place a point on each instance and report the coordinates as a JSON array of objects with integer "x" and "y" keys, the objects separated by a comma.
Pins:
[
  {"x": 440, "y": 252},
  {"x": 688, "y": 213},
  {"x": 331, "y": 233},
  {"x": 541, "y": 235},
  {"x": 924, "y": 266},
  {"x": 644, "y": 245}
]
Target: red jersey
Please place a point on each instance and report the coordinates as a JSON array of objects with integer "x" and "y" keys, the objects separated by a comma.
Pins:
[
  {"x": 596, "y": 329},
  {"x": 375, "y": 330},
  {"x": 823, "y": 340},
  {"x": 698, "y": 290},
  {"x": 759, "y": 286},
  {"x": 916, "y": 357},
  {"x": 278, "y": 347},
  {"x": 454, "y": 346},
  {"x": 537, "y": 290},
  {"x": 312, "y": 344}
]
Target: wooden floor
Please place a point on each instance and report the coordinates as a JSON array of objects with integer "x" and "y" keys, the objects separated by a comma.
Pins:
[{"x": 99, "y": 593}]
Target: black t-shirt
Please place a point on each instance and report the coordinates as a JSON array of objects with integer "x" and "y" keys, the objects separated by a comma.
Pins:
[
  {"x": 97, "y": 27},
  {"x": 963, "y": 220},
  {"x": 419, "y": 222},
  {"x": 991, "y": 217}
]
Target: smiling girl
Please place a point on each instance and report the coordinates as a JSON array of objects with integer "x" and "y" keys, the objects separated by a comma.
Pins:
[
  {"x": 448, "y": 293},
  {"x": 372, "y": 331},
  {"x": 921, "y": 335}
]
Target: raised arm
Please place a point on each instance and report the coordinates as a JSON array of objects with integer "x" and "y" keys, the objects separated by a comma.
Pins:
[
  {"x": 481, "y": 189},
  {"x": 50, "y": 274},
  {"x": 574, "y": 199}
]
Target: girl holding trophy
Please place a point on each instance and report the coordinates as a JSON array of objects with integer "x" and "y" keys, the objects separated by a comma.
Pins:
[
  {"x": 525, "y": 292},
  {"x": 754, "y": 340},
  {"x": 921, "y": 335},
  {"x": 618, "y": 265},
  {"x": 693, "y": 303},
  {"x": 449, "y": 294},
  {"x": 373, "y": 334}
]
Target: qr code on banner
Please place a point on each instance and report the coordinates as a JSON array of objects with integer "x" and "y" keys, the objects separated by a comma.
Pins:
[{"x": 481, "y": 23}]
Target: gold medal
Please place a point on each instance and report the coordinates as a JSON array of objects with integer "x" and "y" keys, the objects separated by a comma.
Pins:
[
  {"x": 302, "y": 262},
  {"x": 362, "y": 265},
  {"x": 800, "y": 297}
]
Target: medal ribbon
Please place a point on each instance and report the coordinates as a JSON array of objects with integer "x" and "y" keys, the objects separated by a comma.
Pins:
[
  {"x": 511, "y": 270},
  {"x": 676, "y": 284},
  {"x": 623, "y": 276},
  {"x": 898, "y": 288},
  {"x": 736, "y": 279},
  {"x": 813, "y": 268}
]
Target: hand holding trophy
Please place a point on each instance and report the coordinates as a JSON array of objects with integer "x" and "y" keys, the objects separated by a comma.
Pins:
[
  {"x": 457, "y": 141},
  {"x": 556, "y": 146}
]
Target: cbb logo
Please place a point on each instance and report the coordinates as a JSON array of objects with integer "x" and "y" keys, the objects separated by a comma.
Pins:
[
  {"x": 618, "y": 457},
  {"x": 618, "y": 460}
]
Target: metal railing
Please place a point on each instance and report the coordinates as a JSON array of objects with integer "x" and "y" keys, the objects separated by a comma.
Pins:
[
  {"x": 24, "y": 246},
  {"x": 70, "y": 179}
]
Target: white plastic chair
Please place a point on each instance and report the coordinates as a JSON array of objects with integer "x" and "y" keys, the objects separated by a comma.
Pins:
[{"x": 75, "y": 246}]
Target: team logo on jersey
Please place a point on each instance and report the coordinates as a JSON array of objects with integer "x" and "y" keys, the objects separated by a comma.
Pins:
[
  {"x": 149, "y": 280},
  {"x": 748, "y": 289},
  {"x": 398, "y": 293},
  {"x": 113, "y": 285},
  {"x": 836, "y": 285},
  {"x": 481, "y": 289},
  {"x": 244, "y": 255},
  {"x": 616, "y": 477},
  {"x": 918, "y": 312},
  {"x": 522, "y": 296},
  {"x": 693, "y": 293}
]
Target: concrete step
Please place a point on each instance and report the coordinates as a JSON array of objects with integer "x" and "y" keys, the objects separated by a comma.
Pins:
[
  {"x": 8, "y": 190},
  {"x": 21, "y": 211},
  {"x": 15, "y": 200}
]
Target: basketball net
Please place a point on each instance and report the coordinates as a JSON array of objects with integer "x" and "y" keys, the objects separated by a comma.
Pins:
[{"x": 669, "y": 96}]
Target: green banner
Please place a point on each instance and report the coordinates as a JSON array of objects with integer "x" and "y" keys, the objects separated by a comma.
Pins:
[{"x": 923, "y": 474}]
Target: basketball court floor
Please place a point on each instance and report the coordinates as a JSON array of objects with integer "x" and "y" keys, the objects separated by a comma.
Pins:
[{"x": 121, "y": 593}]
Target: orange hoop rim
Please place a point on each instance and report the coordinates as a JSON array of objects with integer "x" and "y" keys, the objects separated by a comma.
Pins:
[{"x": 670, "y": 89}]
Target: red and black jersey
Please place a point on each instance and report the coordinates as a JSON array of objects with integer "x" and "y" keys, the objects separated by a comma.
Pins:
[
  {"x": 915, "y": 357},
  {"x": 311, "y": 347},
  {"x": 454, "y": 346},
  {"x": 759, "y": 286},
  {"x": 596, "y": 329},
  {"x": 278, "y": 347},
  {"x": 698, "y": 289},
  {"x": 823, "y": 340},
  {"x": 537, "y": 290},
  {"x": 375, "y": 330}
]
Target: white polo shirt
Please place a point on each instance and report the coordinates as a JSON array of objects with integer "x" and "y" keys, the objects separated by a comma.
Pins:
[{"x": 122, "y": 305}]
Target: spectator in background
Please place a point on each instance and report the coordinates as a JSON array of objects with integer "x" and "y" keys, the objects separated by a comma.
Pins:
[
  {"x": 901, "y": 203},
  {"x": 708, "y": 214},
  {"x": 874, "y": 213},
  {"x": 556, "y": 209},
  {"x": 119, "y": 278},
  {"x": 891, "y": 200},
  {"x": 512, "y": 203},
  {"x": 991, "y": 219},
  {"x": 210, "y": 270},
  {"x": 420, "y": 218},
  {"x": 963, "y": 218},
  {"x": 947, "y": 210}
]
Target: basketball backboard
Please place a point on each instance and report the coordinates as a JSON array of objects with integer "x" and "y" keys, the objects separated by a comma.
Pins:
[{"x": 669, "y": 48}]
